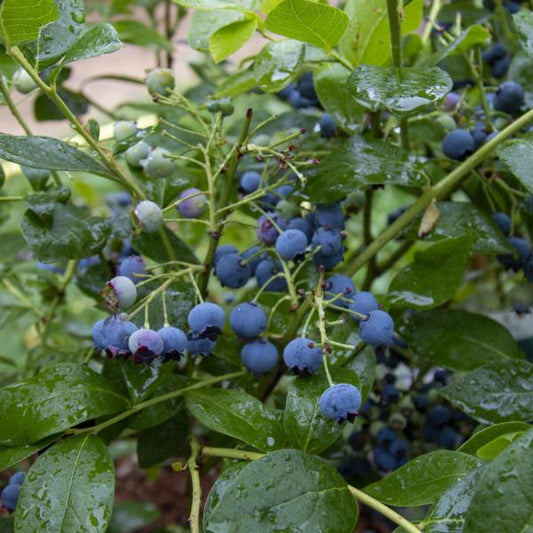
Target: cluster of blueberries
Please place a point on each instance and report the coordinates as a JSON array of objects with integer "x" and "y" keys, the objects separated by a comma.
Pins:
[
  {"x": 522, "y": 259},
  {"x": 401, "y": 419},
  {"x": 460, "y": 143},
  {"x": 11, "y": 492}
]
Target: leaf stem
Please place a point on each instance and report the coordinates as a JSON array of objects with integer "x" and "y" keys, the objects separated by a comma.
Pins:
[
  {"x": 440, "y": 190},
  {"x": 384, "y": 510},
  {"x": 395, "y": 32},
  {"x": 194, "y": 517},
  {"x": 230, "y": 453}
]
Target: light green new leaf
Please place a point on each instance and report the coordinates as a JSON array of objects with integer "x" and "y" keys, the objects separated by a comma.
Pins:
[
  {"x": 22, "y": 20},
  {"x": 367, "y": 37},
  {"x": 204, "y": 23},
  {"x": 318, "y": 24},
  {"x": 228, "y": 39}
]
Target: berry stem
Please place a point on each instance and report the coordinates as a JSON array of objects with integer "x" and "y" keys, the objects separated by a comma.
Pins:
[
  {"x": 230, "y": 453},
  {"x": 381, "y": 508},
  {"x": 394, "y": 14},
  {"x": 194, "y": 471},
  {"x": 319, "y": 303},
  {"x": 438, "y": 191}
]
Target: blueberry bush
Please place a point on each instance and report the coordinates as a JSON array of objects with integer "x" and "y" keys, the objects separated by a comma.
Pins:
[{"x": 301, "y": 283}]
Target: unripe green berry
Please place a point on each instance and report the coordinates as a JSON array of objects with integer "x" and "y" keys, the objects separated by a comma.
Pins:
[
  {"x": 124, "y": 129},
  {"x": 160, "y": 81},
  {"x": 158, "y": 164},
  {"x": 148, "y": 216},
  {"x": 287, "y": 210},
  {"x": 136, "y": 153},
  {"x": 447, "y": 122},
  {"x": 397, "y": 422},
  {"x": 23, "y": 82}
]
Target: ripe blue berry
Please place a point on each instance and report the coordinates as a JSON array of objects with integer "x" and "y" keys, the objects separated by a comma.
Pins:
[
  {"x": 479, "y": 134},
  {"x": 17, "y": 478},
  {"x": 341, "y": 288},
  {"x": 265, "y": 270},
  {"x": 148, "y": 216},
  {"x": 509, "y": 98},
  {"x": 124, "y": 129},
  {"x": 120, "y": 293},
  {"x": 10, "y": 496},
  {"x": 495, "y": 52},
  {"x": 225, "y": 249},
  {"x": 500, "y": 67},
  {"x": 132, "y": 267},
  {"x": 174, "y": 342},
  {"x": 137, "y": 153},
  {"x": 327, "y": 125},
  {"x": 23, "y": 82},
  {"x": 503, "y": 221},
  {"x": 248, "y": 320},
  {"x": 384, "y": 461},
  {"x": 266, "y": 231},
  {"x": 363, "y": 303},
  {"x": 145, "y": 345},
  {"x": 389, "y": 395},
  {"x": 306, "y": 86},
  {"x": 458, "y": 144},
  {"x": 232, "y": 271},
  {"x": 302, "y": 356},
  {"x": 330, "y": 216},
  {"x": 192, "y": 207},
  {"x": 291, "y": 244},
  {"x": 197, "y": 345},
  {"x": 386, "y": 437},
  {"x": 448, "y": 438},
  {"x": 112, "y": 335},
  {"x": 158, "y": 164},
  {"x": 377, "y": 329},
  {"x": 250, "y": 181},
  {"x": 252, "y": 257},
  {"x": 331, "y": 250},
  {"x": 522, "y": 253},
  {"x": 160, "y": 81},
  {"x": 303, "y": 225},
  {"x": 259, "y": 356},
  {"x": 207, "y": 319},
  {"x": 340, "y": 402}
]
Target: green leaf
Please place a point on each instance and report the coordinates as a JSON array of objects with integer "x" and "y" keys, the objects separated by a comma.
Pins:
[
  {"x": 367, "y": 38},
  {"x": 437, "y": 271},
  {"x": 69, "y": 488},
  {"x": 143, "y": 380},
  {"x": 424, "y": 479},
  {"x": 298, "y": 493},
  {"x": 129, "y": 516},
  {"x": 459, "y": 218},
  {"x": 47, "y": 153},
  {"x": 364, "y": 367},
  {"x": 236, "y": 84},
  {"x": 158, "y": 443},
  {"x": 415, "y": 90},
  {"x": 22, "y": 20},
  {"x": 447, "y": 515},
  {"x": 486, "y": 435},
  {"x": 517, "y": 154},
  {"x": 498, "y": 392},
  {"x": 60, "y": 397},
  {"x": 151, "y": 245},
  {"x": 475, "y": 35},
  {"x": 406, "y": 300},
  {"x": 237, "y": 414},
  {"x": 278, "y": 63},
  {"x": 314, "y": 23},
  {"x": 45, "y": 109},
  {"x": 12, "y": 455},
  {"x": 211, "y": 5},
  {"x": 204, "y": 23},
  {"x": 228, "y": 39},
  {"x": 222, "y": 483},
  {"x": 305, "y": 426},
  {"x": 57, "y": 38},
  {"x": 135, "y": 32},
  {"x": 331, "y": 85},
  {"x": 356, "y": 164},
  {"x": 523, "y": 21},
  {"x": 70, "y": 234},
  {"x": 459, "y": 340},
  {"x": 96, "y": 41},
  {"x": 502, "y": 501},
  {"x": 493, "y": 448}
]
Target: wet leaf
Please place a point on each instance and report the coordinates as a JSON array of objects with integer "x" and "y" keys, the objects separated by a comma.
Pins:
[
  {"x": 411, "y": 92},
  {"x": 60, "y": 397},
  {"x": 517, "y": 154},
  {"x": 287, "y": 490},
  {"x": 69, "y": 488},
  {"x": 239, "y": 415},
  {"x": 423, "y": 479},
  {"x": 227, "y": 40},
  {"x": 486, "y": 435}
]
